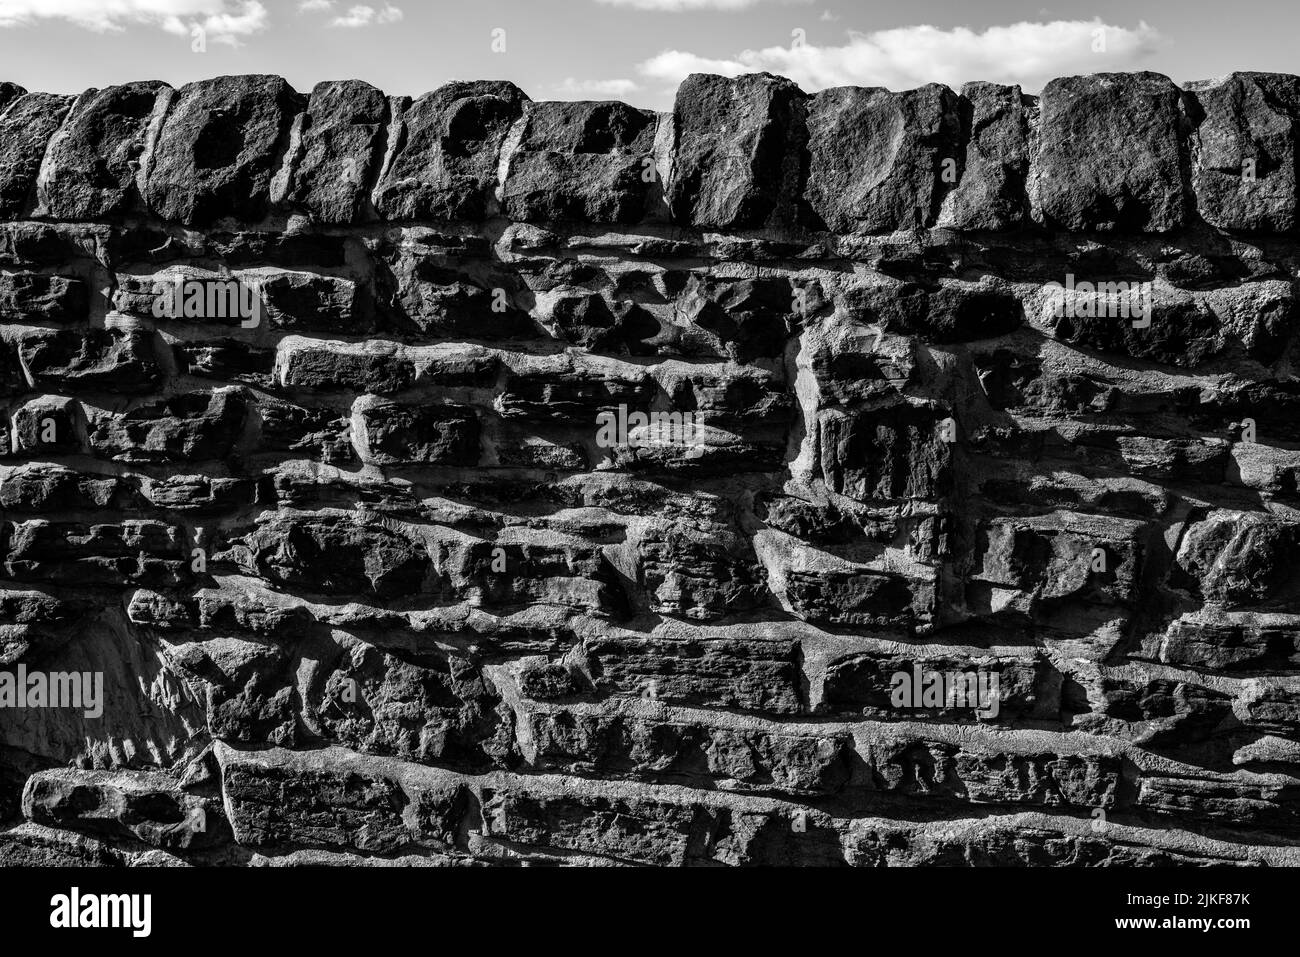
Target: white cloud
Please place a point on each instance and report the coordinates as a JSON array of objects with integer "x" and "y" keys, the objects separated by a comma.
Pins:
[
  {"x": 364, "y": 16},
  {"x": 677, "y": 6},
  {"x": 223, "y": 20},
  {"x": 1026, "y": 53},
  {"x": 570, "y": 88},
  {"x": 314, "y": 6}
]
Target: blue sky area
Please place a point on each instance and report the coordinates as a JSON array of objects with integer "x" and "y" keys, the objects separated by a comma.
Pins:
[{"x": 633, "y": 50}]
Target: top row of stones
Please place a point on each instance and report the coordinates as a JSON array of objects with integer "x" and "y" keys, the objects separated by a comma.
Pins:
[{"x": 1122, "y": 152}]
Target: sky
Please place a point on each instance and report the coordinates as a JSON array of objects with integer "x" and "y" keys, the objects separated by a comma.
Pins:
[{"x": 635, "y": 50}]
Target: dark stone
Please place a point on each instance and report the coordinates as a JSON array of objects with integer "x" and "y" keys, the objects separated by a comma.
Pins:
[
  {"x": 26, "y": 126},
  {"x": 342, "y": 147},
  {"x": 1246, "y": 176},
  {"x": 219, "y": 147},
  {"x": 701, "y": 576},
  {"x": 991, "y": 192},
  {"x": 582, "y": 162},
  {"x": 431, "y": 300},
  {"x": 857, "y": 599},
  {"x": 1112, "y": 154},
  {"x": 877, "y": 158},
  {"x": 35, "y": 298},
  {"x": 943, "y": 314},
  {"x": 191, "y": 427},
  {"x": 327, "y": 370},
  {"x": 446, "y": 165},
  {"x": 420, "y": 435},
  {"x": 894, "y": 453},
  {"x": 91, "y": 165},
  {"x": 132, "y": 552},
  {"x": 740, "y": 319},
  {"x": 723, "y": 672},
  {"x": 736, "y": 163},
  {"x": 330, "y": 554},
  {"x": 575, "y": 395},
  {"x": 107, "y": 360}
]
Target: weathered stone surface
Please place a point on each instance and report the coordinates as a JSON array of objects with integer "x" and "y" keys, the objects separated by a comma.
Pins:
[
  {"x": 246, "y": 687},
  {"x": 218, "y": 149},
  {"x": 143, "y": 552},
  {"x": 859, "y": 599},
  {"x": 35, "y": 244},
  {"x": 701, "y": 575},
  {"x": 26, "y": 125},
  {"x": 91, "y": 163},
  {"x": 47, "y": 488},
  {"x": 877, "y": 158},
  {"x": 342, "y": 147},
  {"x": 336, "y": 370},
  {"x": 571, "y": 394},
  {"x": 1022, "y": 840},
  {"x": 335, "y": 553},
  {"x": 1219, "y": 642},
  {"x": 1028, "y": 687},
  {"x": 34, "y": 297},
  {"x": 1034, "y": 566},
  {"x": 47, "y": 426},
  {"x": 1246, "y": 176},
  {"x": 446, "y": 165},
  {"x": 721, "y": 671},
  {"x": 732, "y": 397},
  {"x": 991, "y": 192},
  {"x": 1264, "y": 803},
  {"x": 1270, "y": 705},
  {"x": 333, "y": 799},
  {"x": 742, "y": 320},
  {"x": 321, "y": 433},
  {"x": 1174, "y": 459},
  {"x": 9, "y": 91},
  {"x": 736, "y": 161},
  {"x": 226, "y": 360},
  {"x": 582, "y": 502},
  {"x": 146, "y": 807},
  {"x": 1238, "y": 560},
  {"x": 419, "y": 435},
  {"x": 430, "y": 709},
  {"x": 1178, "y": 328},
  {"x": 430, "y": 300},
  {"x": 941, "y": 771},
  {"x": 108, "y": 360},
  {"x": 639, "y": 830},
  {"x": 856, "y": 362},
  {"x": 897, "y": 452},
  {"x": 193, "y": 427},
  {"x": 31, "y": 845},
  {"x": 1112, "y": 154},
  {"x": 642, "y": 748},
  {"x": 304, "y": 301},
  {"x": 34, "y": 621},
  {"x": 539, "y": 572},
  {"x": 585, "y": 162},
  {"x": 590, "y": 320},
  {"x": 944, "y": 314}
]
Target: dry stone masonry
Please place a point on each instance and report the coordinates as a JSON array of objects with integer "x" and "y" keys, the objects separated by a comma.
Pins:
[{"x": 861, "y": 478}]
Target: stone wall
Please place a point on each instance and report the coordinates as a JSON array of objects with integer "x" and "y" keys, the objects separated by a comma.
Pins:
[{"x": 474, "y": 479}]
